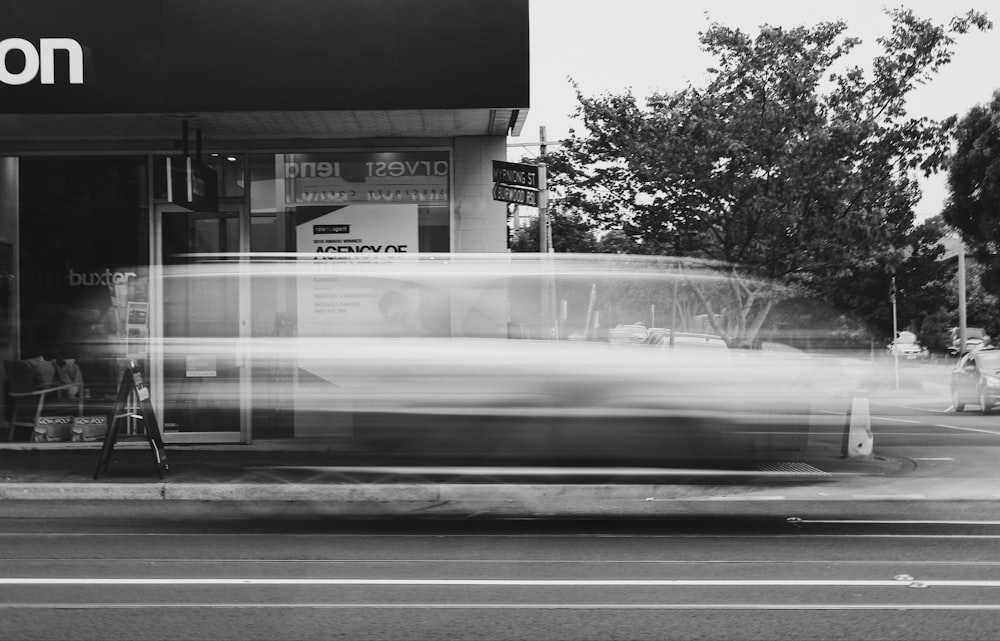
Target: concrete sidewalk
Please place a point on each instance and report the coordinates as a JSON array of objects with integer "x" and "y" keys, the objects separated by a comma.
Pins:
[
  {"x": 336, "y": 481},
  {"x": 348, "y": 461},
  {"x": 345, "y": 478}
]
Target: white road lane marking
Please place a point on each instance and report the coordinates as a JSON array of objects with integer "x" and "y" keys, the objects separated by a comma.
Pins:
[
  {"x": 506, "y": 606},
  {"x": 884, "y": 432},
  {"x": 734, "y": 583},
  {"x": 969, "y": 429},
  {"x": 503, "y": 471},
  {"x": 935, "y": 458},
  {"x": 601, "y": 535},
  {"x": 893, "y": 522},
  {"x": 885, "y": 536},
  {"x": 767, "y": 497},
  {"x": 532, "y": 562},
  {"x": 877, "y": 417}
]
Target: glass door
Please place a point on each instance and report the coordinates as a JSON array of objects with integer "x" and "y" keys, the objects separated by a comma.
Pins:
[{"x": 199, "y": 372}]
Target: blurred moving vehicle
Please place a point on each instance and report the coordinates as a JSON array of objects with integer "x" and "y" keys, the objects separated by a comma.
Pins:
[
  {"x": 975, "y": 338},
  {"x": 559, "y": 399},
  {"x": 908, "y": 347},
  {"x": 461, "y": 355},
  {"x": 976, "y": 380}
]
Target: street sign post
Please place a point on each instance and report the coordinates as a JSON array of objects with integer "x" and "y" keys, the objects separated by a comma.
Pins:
[
  {"x": 516, "y": 195},
  {"x": 516, "y": 174},
  {"x": 516, "y": 183}
]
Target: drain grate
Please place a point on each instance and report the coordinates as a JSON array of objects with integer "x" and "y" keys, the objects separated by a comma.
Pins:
[{"x": 793, "y": 468}]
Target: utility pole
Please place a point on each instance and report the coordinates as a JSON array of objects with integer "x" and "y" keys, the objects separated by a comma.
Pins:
[
  {"x": 673, "y": 305},
  {"x": 544, "y": 230},
  {"x": 892, "y": 345},
  {"x": 550, "y": 312},
  {"x": 962, "y": 320}
]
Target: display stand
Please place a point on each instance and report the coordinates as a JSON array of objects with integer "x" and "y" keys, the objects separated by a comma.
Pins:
[
  {"x": 136, "y": 328},
  {"x": 133, "y": 386}
]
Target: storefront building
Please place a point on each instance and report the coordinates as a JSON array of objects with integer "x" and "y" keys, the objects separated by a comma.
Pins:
[{"x": 137, "y": 135}]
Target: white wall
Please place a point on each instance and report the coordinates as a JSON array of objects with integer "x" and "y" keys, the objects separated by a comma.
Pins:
[{"x": 480, "y": 222}]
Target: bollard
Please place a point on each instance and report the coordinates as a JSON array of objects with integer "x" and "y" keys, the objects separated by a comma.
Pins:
[{"x": 858, "y": 440}]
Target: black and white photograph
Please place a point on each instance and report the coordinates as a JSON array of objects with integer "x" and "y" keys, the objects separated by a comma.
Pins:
[{"x": 499, "y": 320}]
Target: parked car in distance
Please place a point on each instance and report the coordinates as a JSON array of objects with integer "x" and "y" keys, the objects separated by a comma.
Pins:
[
  {"x": 660, "y": 337},
  {"x": 906, "y": 346},
  {"x": 975, "y": 338},
  {"x": 976, "y": 380},
  {"x": 630, "y": 334}
]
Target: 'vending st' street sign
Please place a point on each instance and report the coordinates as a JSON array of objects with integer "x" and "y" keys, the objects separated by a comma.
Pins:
[{"x": 515, "y": 183}]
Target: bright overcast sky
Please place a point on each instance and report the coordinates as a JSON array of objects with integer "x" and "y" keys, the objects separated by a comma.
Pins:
[{"x": 652, "y": 45}]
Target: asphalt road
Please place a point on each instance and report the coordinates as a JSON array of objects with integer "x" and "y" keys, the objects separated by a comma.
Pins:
[
  {"x": 935, "y": 439},
  {"x": 848, "y": 558},
  {"x": 931, "y": 422},
  {"x": 324, "y": 579}
]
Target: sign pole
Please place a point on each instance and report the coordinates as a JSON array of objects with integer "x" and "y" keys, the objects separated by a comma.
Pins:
[
  {"x": 895, "y": 355},
  {"x": 962, "y": 313},
  {"x": 544, "y": 231},
  {"x": 522, "y": 184},
  {"x": 588, "y": 324},
  {"x": 549, "y": 313}
]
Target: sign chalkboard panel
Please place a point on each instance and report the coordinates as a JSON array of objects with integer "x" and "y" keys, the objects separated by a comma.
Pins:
[{"x": 131, "y": 384}]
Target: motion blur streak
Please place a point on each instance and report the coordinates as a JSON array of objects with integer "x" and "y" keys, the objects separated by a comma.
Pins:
[{"x": 497, "y": 356}]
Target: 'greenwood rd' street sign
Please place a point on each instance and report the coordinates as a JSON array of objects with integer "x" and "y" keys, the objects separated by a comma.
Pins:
[{"x": 516, "y": 195}]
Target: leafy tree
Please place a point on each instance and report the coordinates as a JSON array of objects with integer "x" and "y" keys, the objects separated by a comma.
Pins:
[
  {"x": 925, "y": 283},
  {"x": 973, "y": 206},
  {"x": 981, "y": 303},
  {"x": 525, "y": 238},
  {"x": 570, "y": 233},
  {"x": 982, "y": 306},
  {"x": 933, "y": 331},
  {"x": 616, "y": 241},
  {"x": 785, "y": 166}
]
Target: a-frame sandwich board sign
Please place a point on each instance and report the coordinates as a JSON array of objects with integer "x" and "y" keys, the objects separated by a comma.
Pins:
[{"x": 132, "y": 383}]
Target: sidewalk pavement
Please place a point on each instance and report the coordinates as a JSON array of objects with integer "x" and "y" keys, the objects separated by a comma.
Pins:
[
  {"x": 345, "y": 479},
  {"x": 256, "y": 480}
]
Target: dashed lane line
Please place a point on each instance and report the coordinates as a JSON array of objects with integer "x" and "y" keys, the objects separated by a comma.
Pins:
[
  {"x": 796, "y": 520},
  {"x": 933, "y": 607},
  {"x": 736, "y": 583},
  {"x": 968, "y": 429}
]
